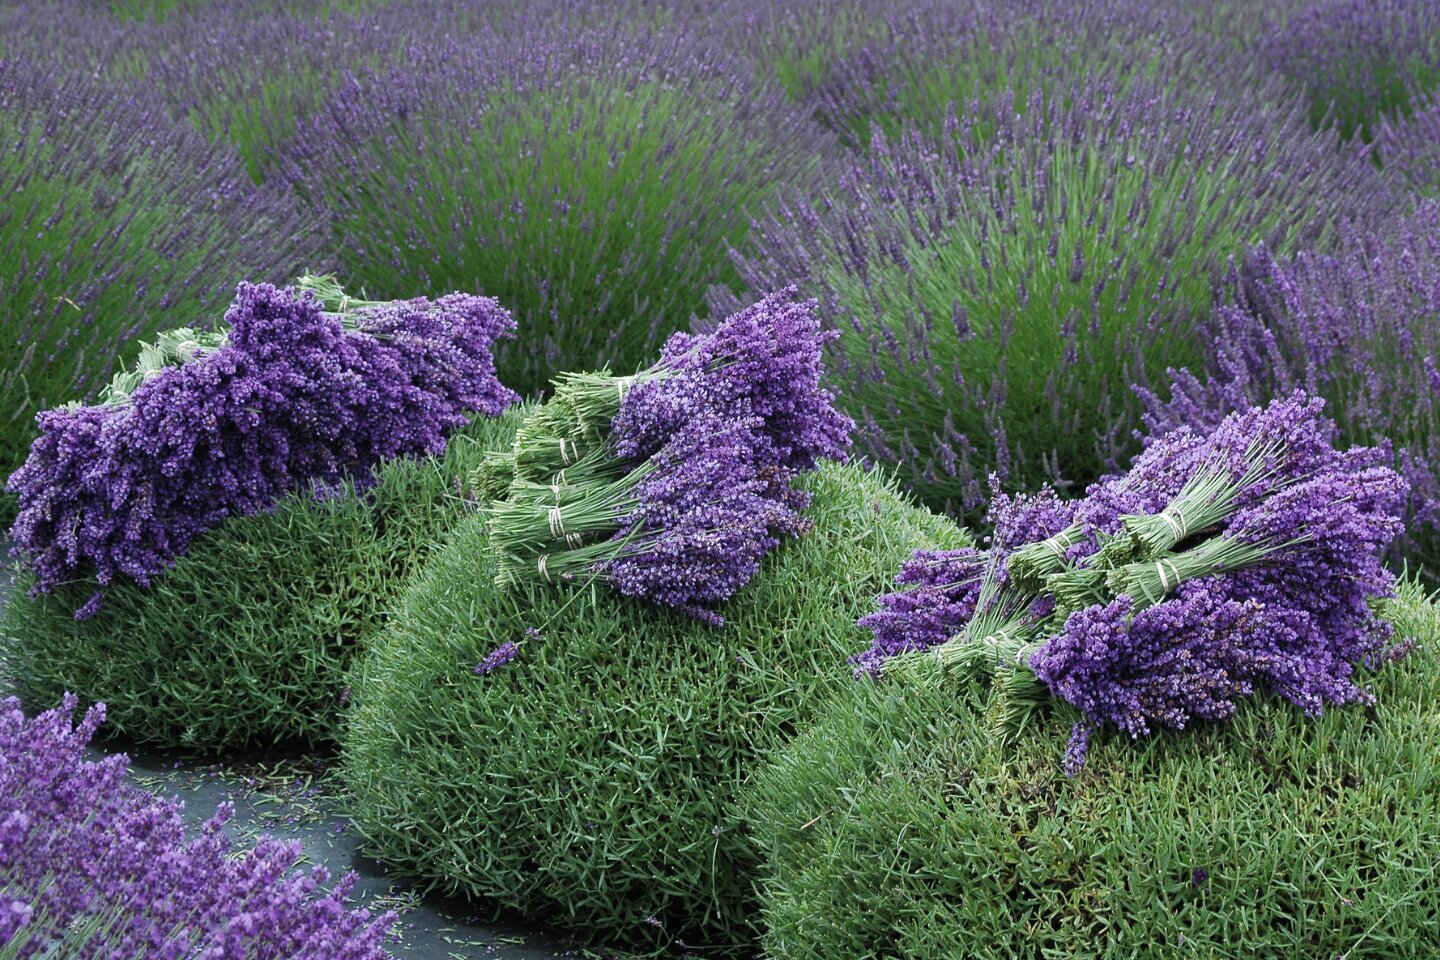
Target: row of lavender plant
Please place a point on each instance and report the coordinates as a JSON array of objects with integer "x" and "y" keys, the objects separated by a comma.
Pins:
[
  {"x": 93, "y": 866},
  {"x": 382, "y": 120}
]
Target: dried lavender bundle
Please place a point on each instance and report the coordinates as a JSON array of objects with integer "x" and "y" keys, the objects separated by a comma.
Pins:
[
  {"x": 672, "y": 483},
  {"x": 1261, "y": 552},
  {"x": 291, "y": 396}
]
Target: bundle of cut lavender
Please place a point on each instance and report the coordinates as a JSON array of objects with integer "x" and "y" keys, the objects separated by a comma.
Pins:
[
  {"x": 672, "y": 483},
  {"x": 1218, "y": 566}
]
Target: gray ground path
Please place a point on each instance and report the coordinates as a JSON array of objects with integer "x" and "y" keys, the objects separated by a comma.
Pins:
[{"x": 296, "y": 798}]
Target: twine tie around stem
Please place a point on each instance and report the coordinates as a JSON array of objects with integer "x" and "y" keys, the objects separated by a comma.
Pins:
[
  {"x": 1164, "y": 581},
  {"x": 1176, "y": 523},
  {"x": 557, "y": 523},
  {"x": 1058, "y": 544},
  {"x": 540, "y": 566}
]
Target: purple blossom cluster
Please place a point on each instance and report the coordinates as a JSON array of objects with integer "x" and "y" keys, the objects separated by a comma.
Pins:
[
  {"x": 707, "y": 510},
  {"x": 1358, "y": 60},
  {"x": 942, "y": 589},
  {"x": 1296, "y": 622},
  {"x": 1001, "y": 282},
  {"x": 728, "y": 421},
  {"x": 1359, "y": 327},
  {"x": 497, "y": 658},
  {"x": 292, "y": 399},
  {"x": 77, "y": 841},
  {"x": 763, "y": 363}
]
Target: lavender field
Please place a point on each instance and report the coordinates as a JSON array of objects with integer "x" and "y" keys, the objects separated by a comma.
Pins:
[{"x": 756, "y": 478}]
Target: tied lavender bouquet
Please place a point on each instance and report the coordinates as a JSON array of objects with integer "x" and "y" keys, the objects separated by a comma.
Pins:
[
  {"x": 302, "y": 388},
  {"x": 1218, "y": 566},
  {"x": 671, "y": 484}
]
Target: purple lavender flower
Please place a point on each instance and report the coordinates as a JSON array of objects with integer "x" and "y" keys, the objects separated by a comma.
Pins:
[
  {"x": 706, "y": 512},
  {"x": 1359, "y": 327},
  {"x": 77, "y": 840},
  {"x": 497, "y": 658},
  {"x": 291, "y": 400},
  {"x": 997, "y": 298},
  {"x": 764, "y": 361},
  {"x": 942, "y": 590}
]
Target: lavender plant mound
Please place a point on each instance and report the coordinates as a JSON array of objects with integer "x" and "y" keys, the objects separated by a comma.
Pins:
[
  {"x": 77, "y": 841},
  {"x": 895, "y": 824},
  {"x": 1358, "y": 61},
  {"x": 672, "y": 484},
  {"x": 118, "y": 221},
  {"x": 590, "y": 176},
  {"x": 291, "y": 399},
  {"x": 576, "y": 754},
  {"x": 1360, "y": 327},
  {"x": 999, "y": 292},
  {"x": 1410, "y": 149},
  {"x": 1255, "y": 572},
  {"x": 915, "y": 63}
]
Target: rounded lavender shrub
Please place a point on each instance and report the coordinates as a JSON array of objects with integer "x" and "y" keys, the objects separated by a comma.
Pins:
[
  {"x": 1410, "y": 149},
  {"x": 1358, "y": 61},
  {"x": 117, "y": 222},
  {"x": 1359, "y": 327},
  {"x": 1000, "y": 290},
  {"x": 79, "y": 843},
  {"x": 575, "y": 754},
  {"x": 886, "y": 67},
  {"x": 898, "y": 825},
  {"x": 590, "y": 177}
]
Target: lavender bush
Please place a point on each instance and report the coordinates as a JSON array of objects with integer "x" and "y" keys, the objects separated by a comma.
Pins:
[
  {"x": 896, "y": 824},
  {"x": 585, "y": 774},
  {"x": 1360, "y": 327},
  {"x": 932, "y": 60},
  {"x": 117, "y": 222},
  {"x": 999, "y": 292},
  {"x": 590, "y": 177},
  {"x": 291, "y": 399},
  {"x": 1358, "y": 61},
  {"x": 1410, "y": 149},
  {"x": 77, "y": 841},
  {"x": 207, "y": 660}
]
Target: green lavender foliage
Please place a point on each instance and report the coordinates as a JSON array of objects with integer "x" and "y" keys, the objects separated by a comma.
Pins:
[
  {"x": 591, "y": 177},
  {"x": 116, "y": 222},
  {"x": 1000, "y": 291},
  {"x": 591, "y": 781},
  {"x": 246, "y": 640},
  {"x": 896, "y": 827}
]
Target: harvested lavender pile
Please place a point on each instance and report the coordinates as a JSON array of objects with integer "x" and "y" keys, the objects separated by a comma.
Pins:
[
  {"x": 304, "y": 389},
  {"x": 91, "y": 866},
  {"x": 672, "y": 483},
  {"x": 1218, "y": 567}
]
